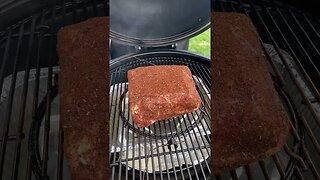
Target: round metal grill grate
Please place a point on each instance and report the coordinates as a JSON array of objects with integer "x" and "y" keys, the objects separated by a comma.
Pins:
[{"x": 144, "y": 132}]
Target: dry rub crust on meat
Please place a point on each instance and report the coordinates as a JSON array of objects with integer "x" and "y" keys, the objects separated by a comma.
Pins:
[
  {"x": 161, "y": 92},
  {"x": 83, "y": 86},
  {"x": 248, "y": 120}
]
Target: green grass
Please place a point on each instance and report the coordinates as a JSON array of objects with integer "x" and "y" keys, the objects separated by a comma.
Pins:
[{"x": 201, "y": 43}]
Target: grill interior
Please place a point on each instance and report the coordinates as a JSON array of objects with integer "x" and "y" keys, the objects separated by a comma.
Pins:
[
  {"x": 174, "y": 153},
  {"x": 31, "y": 138},
  {"x": 291, "y": 43},
  {"x": 30, "y": 134}
]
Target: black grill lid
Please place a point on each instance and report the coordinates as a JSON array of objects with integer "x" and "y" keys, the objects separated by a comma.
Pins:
[{"x": 157, "y": 23}]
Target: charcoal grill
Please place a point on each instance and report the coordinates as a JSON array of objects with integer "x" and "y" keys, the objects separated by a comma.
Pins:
[
  {"x": 166, "y": 141},
  {"x": 291, "y": 43},
  {"x": 31, "y": 138},
  {"x": 178, "y": 148}
]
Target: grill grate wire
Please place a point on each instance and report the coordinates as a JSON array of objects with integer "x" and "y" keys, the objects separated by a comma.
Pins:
[{"x": 179, "y": 172}]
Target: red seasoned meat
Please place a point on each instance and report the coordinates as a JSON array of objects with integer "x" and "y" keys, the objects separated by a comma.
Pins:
[
  {"x": 161, "y": 92},
  {"x": 83, "y": 86},
  {"x": 248, "y": 120}
]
